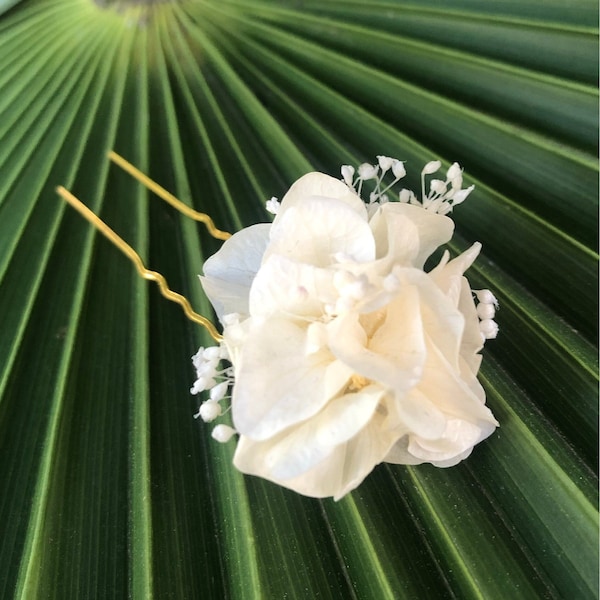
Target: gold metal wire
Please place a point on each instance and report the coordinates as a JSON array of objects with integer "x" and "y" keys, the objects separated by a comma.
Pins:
[
  {"x": 168, "y": 197},
  {"x": 137, "y": 261}
]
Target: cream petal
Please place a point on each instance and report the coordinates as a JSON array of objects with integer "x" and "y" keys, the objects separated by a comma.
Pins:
[
  {"x": 454, "y": 445},
  {"x": 449, "y": 392},
  {"x": 451, "y": 462},
  {"x": 363, "y": 453},
  {"x": 458, "y": 436},
  {"x": 396, "y": 236},
  {"x": 325, "y": 186},
  {"x": 277, "y": 385},
  {"x": 394, "y": 356},
  {"x": 301, "y": 447},
  {"x": 432, "y": 230},
  {"x": 286, "y": 286},
  {"x": 322, "y": 481},
  {"x": 339, "y": 473},
  {"x": 448, "y": 275},
  {"x": 234, "y": 339},
  {"x": 468, "y": 373},
  {"x": 416, "y": 413},
  {"x": 442, "y": 321},
  {"x": 225, "y": 296},
  {"x": 229, "y": 273},
  {"x": 319, "y": 230},
  {"x": 472, "y": 342},
  {"x": 399, "y": 454}
]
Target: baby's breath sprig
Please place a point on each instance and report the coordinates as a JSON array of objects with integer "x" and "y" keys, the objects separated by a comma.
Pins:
[
  {"x": 441, "y": 198},
  {"x": 217, "y": 382}
]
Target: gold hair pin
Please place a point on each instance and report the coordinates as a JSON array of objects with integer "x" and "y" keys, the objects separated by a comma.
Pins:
[{"x": 135, "y": 258}]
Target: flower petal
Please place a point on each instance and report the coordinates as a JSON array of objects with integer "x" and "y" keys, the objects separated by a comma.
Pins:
[
  {"x": 321, "y": 230},
  {"x": 448, "y": 275},
  {"x": 472, "y": 342},
  {"x": 452, "y": 446},
  {"x": 395, "y": 355},
  {"x": 342, "y": 470},
  {"x": 299, "y": 448},
  {"x": 325, "y": 186},
  {"x": 453, "y": 396},
  {"x": 229, "y": 273},
  {"x": 283, "y": 285},
  {"x": 277, "y": 384},
  {"x": 432, "y": 230}
]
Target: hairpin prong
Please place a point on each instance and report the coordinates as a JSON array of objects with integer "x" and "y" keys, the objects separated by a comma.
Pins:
[
  {"x": 168, "y": 197},
  {"x": 120, "y": 243}
]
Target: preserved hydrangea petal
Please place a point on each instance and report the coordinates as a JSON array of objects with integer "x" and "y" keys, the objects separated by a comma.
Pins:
[
  {"x": 229, "y": 273},
  {"x": 315, "y": 231}
]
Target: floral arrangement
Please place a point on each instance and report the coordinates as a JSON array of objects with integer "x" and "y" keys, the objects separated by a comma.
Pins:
[{"x": 343, "y": 352}]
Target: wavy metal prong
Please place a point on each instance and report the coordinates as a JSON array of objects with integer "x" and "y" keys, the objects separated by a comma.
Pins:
[{"x": 122, "y": 245}]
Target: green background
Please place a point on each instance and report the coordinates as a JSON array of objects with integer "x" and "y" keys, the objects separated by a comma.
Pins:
[{"x": 109, "y": 487}]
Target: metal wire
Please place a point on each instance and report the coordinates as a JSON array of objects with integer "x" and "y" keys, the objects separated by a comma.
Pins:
[
  {"x": 137, "y": 261},
  {"x": 168, "y": 197}
]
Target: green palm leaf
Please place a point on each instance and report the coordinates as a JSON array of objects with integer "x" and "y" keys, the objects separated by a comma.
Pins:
[{"x": 110, "y": 487}]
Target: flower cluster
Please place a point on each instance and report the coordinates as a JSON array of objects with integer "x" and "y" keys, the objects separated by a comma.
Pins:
[
  {"x": 210, "y": 377},
  {"x": 344, "y": 352},
  {"x": 443, "y": 195}
]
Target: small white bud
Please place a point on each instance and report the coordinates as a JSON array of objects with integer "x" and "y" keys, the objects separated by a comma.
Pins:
[
  {"x": 485, "y": 311},
  {"x": 453, "y": 172},
  {"x": 398, "y": 169},
  {"x": 218, "y": 391},
  {"x": 461, "y": 195},
  {"x": 457, "y": 182},
  {"x": 223, "y": 433},
  {"x": 209, "y": 411},
  {"x": 438, "y": 186},
  {"x": 201, "y": 384},
  {"x": 405, "y": 195},
  {"x": 489, "y": 328},
  {"x": 385, "y": 162},
  {"x": 486, "y": 297},
  {"x": 273, "y": 205},
  {"x": 367, "y": 171},
  {"x": 211, "y": 353},
  {"x": 198, "y": 358},
  {"x": 207, "y": 369},
  {"x": 431, "y": 167},
  {"x": 348, "y": 174}
]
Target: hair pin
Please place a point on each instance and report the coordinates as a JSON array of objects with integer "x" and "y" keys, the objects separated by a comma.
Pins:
[{"x": 126, "y": 249}]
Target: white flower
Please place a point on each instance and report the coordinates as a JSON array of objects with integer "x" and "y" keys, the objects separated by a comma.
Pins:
[
  {"x": 348, "y": 174},
  {"x": 345, "y": 352},
  {"x": 273, "y": 205}
]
